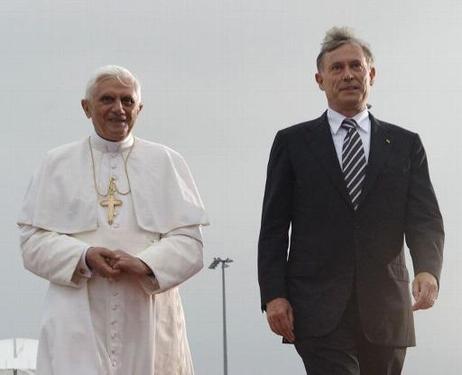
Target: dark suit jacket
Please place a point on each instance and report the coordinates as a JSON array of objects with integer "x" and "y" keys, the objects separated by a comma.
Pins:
[{"x": 335, "y": 250}]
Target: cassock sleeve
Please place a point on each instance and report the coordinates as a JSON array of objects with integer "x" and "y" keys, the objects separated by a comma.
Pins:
[
  {"x": 53, "y": 256},
  {"x": 173, "y": 260}
]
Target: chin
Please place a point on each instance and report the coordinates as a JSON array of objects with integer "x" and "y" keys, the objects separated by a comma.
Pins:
[
  {"x": 354, "y": 104},
  {"x": 114, "y": 137},
  {"x": 119, "y": 135}
]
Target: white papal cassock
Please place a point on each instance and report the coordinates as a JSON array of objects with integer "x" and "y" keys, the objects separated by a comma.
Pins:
[{"x": 91, "y": 325}]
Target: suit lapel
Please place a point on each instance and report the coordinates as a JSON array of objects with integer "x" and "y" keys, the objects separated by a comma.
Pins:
[
  {"x": 380, "y": 149},
  {"x": 321, "y": 144}
]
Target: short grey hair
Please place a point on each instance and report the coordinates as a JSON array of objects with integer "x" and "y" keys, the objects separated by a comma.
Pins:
[
  {"x": 116, "y": 72},
  {"x": 337, "y": 37}
]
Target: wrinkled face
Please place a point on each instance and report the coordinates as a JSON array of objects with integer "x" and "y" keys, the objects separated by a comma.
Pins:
[
  {"x": 346, "y": 78},
  {"x": 113, "y": 109}
]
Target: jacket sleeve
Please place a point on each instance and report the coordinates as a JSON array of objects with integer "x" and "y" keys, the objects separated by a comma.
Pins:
[
  {"x": 53, "y": 256},
  {"x": 424, "y": 225},
  {"x": 276, "y": 218},
  {"x": 173, "y": 260}
]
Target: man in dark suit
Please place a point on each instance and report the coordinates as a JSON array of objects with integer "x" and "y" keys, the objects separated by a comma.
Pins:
[{"x": 349, "y": 189}]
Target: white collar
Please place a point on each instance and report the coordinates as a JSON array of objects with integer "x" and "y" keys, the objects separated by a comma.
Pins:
[
  {"x": 335, "y": 120},
  {"x": 103, "y": 145}
]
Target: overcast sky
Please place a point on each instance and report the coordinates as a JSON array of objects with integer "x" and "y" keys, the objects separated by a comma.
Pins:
[{"x": 219, "y": 78}]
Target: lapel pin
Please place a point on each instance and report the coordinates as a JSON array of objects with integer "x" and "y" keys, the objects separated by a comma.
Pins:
[{"x": 388, "y": 141}]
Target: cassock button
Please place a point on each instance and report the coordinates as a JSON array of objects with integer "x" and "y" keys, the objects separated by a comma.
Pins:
[{"x": 114, "y": 307}]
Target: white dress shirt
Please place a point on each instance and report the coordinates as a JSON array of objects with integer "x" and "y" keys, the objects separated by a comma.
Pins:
[{"x": 335, "y": 120}]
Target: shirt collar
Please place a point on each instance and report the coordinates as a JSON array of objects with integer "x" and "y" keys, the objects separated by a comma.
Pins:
[
  {"x": 104, "y": 145},
  {"x": 335, "y": 120}
]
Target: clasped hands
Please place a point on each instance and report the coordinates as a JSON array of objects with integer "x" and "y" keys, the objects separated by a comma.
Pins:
[{"x": 111, "y": 264}]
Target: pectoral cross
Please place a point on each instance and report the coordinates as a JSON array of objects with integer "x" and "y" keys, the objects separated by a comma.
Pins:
[{"x": 111, "y": 202}]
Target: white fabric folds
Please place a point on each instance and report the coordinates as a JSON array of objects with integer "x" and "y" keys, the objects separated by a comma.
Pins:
[{"x": 61, "y": 196}]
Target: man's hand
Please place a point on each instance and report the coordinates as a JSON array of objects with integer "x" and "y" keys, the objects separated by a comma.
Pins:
[
  {"x": 129, "y": 264},
  {"x": 101, "y": 261},
  {"x": 281, "y": 318},
  {"x": 424, "y": 290}
]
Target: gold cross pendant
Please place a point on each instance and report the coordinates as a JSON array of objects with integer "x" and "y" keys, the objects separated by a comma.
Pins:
[{"x": 111, "y": 202}]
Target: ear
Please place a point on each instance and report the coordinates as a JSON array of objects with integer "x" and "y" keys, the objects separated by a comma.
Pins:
[
  {"x": 140, "y": 107},
  {"x": 319, "y": 80},
  {"x": 372, "y": 75},
  {"x": 86, "y": 107}
]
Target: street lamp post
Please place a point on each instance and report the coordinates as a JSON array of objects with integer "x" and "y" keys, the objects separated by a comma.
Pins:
[{"x": 224, "y": 264}]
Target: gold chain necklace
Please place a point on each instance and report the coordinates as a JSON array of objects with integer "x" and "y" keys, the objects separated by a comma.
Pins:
[
  {"x": 112, "y": 178},
  {"x": 109, "y": 199}
]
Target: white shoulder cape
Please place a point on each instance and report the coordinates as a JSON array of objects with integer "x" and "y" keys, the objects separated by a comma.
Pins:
[{"x": 61, "y": 196}]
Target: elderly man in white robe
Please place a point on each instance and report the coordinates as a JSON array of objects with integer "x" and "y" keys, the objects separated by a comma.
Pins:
[{"x": 113, "y": 222}]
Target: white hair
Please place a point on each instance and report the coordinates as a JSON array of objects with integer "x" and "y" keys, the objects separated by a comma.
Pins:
[{"x": 119, "y": 73}]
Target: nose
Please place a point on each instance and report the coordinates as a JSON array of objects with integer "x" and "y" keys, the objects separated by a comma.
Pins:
[
  {"x": 348, "y": 75},
  {"x": 117, "y": 106}
]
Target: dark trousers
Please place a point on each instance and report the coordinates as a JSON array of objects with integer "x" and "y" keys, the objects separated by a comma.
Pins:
[{"x": 346, "y": 351}]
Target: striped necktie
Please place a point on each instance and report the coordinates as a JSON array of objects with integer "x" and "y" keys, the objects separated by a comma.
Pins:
[{"x": 353, "y": 160}]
